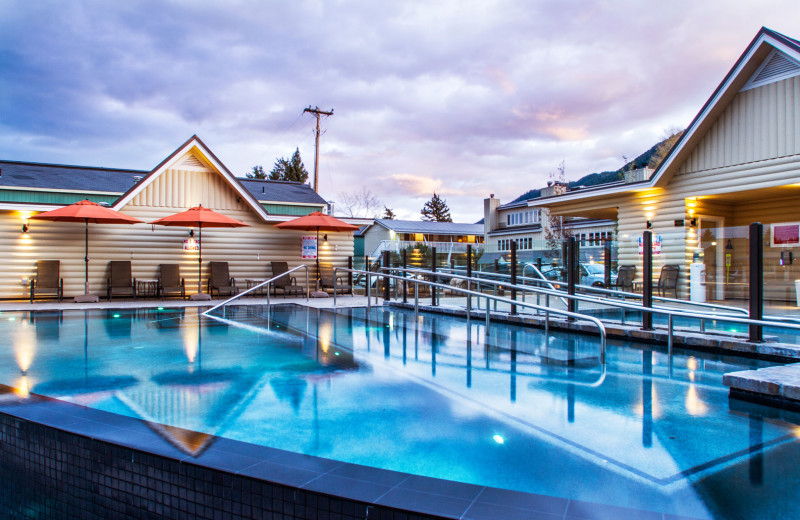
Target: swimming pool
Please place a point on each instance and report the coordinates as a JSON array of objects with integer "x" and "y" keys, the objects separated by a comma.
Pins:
[{"x": 515, "y": 410}]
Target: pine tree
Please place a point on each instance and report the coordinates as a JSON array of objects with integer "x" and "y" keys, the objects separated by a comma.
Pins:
[
  {"x": 256, "y": 173},
  {"x": 436, "y": 210},
  {"x": 388, "y": 214},
  {"x": 291, "y": 170}
]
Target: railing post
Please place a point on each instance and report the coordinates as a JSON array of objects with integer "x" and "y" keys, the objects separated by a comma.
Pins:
[
  {"x": 386, "y": 295},
  {"x": 572, "y": 270},
  {"x": 349, "y": 273},
  {"x": 405, "y": 283},
  {"x": 756, "y": 280},
  {"x": 647, "y": 281},
  {"x": 469, "y": 275},
  {"x": 669, "y": 334},
  {"x": 433, "y": 269},
  {"x": 369, "y": 291},
  {"x": 607, "y": 263},
  {"x": 513, "y": 275}
]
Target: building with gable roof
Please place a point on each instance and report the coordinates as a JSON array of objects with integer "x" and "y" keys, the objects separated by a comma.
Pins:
[
  {"x": 738, "y": 162},
  {"x": 191, "y": 175},
  {"x": 395, "y": 235}
]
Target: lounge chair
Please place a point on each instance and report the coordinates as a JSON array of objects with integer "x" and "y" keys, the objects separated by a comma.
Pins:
[
  {"x": 287, "y": 284},
  {"x": 220, "y": 280},
  {"x": 625, "y": 277},
  {"x": 327, "y": 280},
  {"x": 120, "y": 281},
  {"x": 668, "y": 280},
  {"x": 170, "y": 281},
  {"x": 47, "y": 280}
]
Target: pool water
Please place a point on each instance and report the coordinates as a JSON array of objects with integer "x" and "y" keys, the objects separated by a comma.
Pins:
[{"x": 431, "y": 396}]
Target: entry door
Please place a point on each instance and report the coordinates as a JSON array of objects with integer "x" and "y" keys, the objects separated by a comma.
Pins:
[{"x": 711, "y": 232}]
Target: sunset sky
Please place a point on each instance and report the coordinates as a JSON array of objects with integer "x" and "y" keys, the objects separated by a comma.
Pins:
[{"x": 466, "y": 98}]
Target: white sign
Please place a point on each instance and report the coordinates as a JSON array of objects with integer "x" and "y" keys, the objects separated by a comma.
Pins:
[
  {"x": 656, "y": 246},
  {"x": 190, "y": 244},
  {"x": 309, "y": 247}
]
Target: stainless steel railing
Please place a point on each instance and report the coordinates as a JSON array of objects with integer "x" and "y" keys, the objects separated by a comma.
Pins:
[
  {"x": 266, "y": 283},
  {"x": 418, "y": 282},
  {"x": 671, "y": 313}
]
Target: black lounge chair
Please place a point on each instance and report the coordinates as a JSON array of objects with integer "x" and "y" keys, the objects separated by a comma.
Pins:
[
  {"x": 287, "y": 284},
  {"x": 668, "y": 280},
  {"x": 625, "y": 277},
  {"x": 220, "y": 280},
  {"x": 47, "y": 279},
  {"x": 170, "y": 281},
  {"x": 328, "y": 281},
  {"x": 120, "y": 281}
]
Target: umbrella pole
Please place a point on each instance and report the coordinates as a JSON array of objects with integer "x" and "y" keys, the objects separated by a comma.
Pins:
[
  {"x": 86, "y": 259},
  {"x": 200, "y": 261},
  {"x": 318, "y": 249}
]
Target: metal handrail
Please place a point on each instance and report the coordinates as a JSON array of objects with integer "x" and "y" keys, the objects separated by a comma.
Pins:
[
  {"x": 262, "y": 284},
  {"x": 488, "y": 297},
  {"x": 669, "y": 312}
]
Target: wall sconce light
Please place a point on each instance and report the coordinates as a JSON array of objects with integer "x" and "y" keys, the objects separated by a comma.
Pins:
[
  {"x": 25, "y": 227},
  {"x": 730, "y": 245},
  {"x": 649, "y": 224},
  {"x": 191, "y": 233},
  {"x": 325, "y": 237},
  {"x": 693, "y": 222}
]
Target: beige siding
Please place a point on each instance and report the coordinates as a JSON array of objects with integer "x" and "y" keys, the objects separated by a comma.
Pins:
[
  {"x": 760, "y": 124},
  {"x": 248, "y": 249}
]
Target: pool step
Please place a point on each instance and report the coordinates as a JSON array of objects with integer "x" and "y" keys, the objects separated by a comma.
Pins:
[{"x": 779, "y": 385}]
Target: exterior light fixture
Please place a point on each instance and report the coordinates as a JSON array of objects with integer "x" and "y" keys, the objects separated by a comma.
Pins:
[
  {"x": 25, "y": 227},
  {"x": 191, "y": 233},
  {"x": 325, "y": 237},
  {"x": 730, "y": 244},
  {"x": 649, "y": 224},
  {"x": 693, "y": 222}
]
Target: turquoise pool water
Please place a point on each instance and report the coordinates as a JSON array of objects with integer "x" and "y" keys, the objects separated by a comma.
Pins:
[{"x": 513, "y": 410}]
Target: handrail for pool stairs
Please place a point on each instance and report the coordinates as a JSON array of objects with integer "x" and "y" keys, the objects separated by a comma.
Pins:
[
  {"x": 671, "y": 313},
  {"x": 262, "y": 284},
  {"x": 488, "y": 297}
]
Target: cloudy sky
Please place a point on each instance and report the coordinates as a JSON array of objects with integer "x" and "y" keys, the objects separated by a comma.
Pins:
[{"x": 463, "y": 97}]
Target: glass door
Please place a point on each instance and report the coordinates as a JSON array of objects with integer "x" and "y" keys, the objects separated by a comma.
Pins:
[{"x": 711, "y": 233}]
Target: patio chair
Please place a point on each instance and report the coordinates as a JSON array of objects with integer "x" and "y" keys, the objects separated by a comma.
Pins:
[
  {"x": 220, "y": 280},
  {"x": 120, "y": 281},
  {"x": 668, "y": 280},
  {"x": 47, "y": 280},
  {"x": 327, "y": 280},
  {"x": 287, "y": 284},
  {"x": 625, "y": 277},
  {"x": 170, "y": 281}
]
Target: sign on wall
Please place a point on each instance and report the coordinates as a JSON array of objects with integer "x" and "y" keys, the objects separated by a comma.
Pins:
[
  {"x": 190, "y": 244},
  {"x": 785, "y": 234},
  {"x": 656, "y": 246},
  {"x": 309, "y": 247}
]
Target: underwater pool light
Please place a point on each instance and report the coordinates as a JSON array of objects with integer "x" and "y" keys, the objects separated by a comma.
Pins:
[
  {"x": 161, "y": 308},
  {"x": 116, "y": 315},
  {"x": 498, "y": 439}
]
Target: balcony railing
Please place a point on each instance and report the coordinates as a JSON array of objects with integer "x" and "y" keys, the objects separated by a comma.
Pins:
[{"x": 396, "y": 246}]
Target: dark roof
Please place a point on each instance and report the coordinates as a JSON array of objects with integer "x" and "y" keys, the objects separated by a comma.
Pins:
[
  {"x": 436, "y": 228},
  {"x": 281, "y": 191},
  {"x": 62, "y": 177}
]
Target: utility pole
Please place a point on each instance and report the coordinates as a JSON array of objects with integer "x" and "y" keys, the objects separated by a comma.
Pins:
[{"x": 317, "y": 112}]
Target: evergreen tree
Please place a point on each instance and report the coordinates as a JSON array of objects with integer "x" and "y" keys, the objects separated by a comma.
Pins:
[
  {"x": 256, "y": 173},
  {"x": 291, "y": 170},
  {"x": 436, "y": 210},
  {"x": 388, "y": 214}
]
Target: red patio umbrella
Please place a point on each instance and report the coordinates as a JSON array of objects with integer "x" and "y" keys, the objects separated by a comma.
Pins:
[
  {"x": 87, "y": 211},
  {"x": 317, "y": 221},
  {"x": 199, "y": 216}
]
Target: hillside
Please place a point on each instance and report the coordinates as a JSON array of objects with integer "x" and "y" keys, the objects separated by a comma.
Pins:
[{"x": 593, "y": 179}]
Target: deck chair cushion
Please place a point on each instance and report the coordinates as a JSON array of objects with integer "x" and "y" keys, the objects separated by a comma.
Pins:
[
  {"x": 170, "y": 281},
  {"x": 327, "y": 280},
  {"x": 220, "y": 279},
  {"x": 120, "y": 281},
  {"x": 286, "y": 284},
  {"x": 47, "y": 279}
]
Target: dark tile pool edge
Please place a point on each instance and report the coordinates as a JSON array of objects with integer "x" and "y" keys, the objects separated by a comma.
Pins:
[{"x": 67, "y": 460}]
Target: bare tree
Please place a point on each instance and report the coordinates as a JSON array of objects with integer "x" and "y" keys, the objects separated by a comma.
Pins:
[
  {"x": 360, "y": 203},
  {"x": 669, "y": 140},
  {"x": 553, "y": 225}
]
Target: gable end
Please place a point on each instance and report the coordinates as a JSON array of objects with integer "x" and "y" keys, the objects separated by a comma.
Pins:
[{"x": 776, "y": 67}]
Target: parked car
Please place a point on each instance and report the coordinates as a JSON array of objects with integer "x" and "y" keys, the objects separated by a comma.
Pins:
[{"x": 591, "y": 274}]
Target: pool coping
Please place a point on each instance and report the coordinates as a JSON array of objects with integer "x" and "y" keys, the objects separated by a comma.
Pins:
[{"x": 377, "y": 492}]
